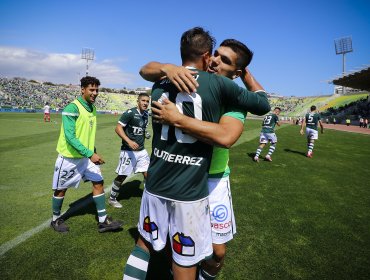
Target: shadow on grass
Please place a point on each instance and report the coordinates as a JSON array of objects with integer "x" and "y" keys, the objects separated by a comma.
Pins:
[
  {"x": 82, "y": 206},
  {"x": 159, "y": 264},
  {"x": 295, "y": 152},
  {"x": 251, "y": 155},
  {"x": 130, "y": 189}
]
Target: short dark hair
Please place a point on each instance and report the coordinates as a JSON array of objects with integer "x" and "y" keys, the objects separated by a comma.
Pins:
[
  {"x": 277, "y": 108},
  {"x": 195, "y": 42},
  {"x": 313, "y": 108},
  {"x": 244, "y": 54},
  {"x": 88, "y": 80},
  {"x": 142, "y": 94}
]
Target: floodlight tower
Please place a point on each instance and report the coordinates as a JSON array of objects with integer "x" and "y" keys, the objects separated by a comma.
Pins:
[
  {"x": 343, "y": 46},
  {"x": 87, "y": 54}
]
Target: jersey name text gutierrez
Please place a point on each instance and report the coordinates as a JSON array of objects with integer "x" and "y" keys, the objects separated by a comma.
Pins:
[{"x": 177, "y": 158}]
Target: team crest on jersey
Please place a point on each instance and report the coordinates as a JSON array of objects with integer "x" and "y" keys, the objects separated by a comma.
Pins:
[
  {"x": 183, "y": 245},
  {"x": 151, "y": 227},
  {"x": 91, "y": 123}
]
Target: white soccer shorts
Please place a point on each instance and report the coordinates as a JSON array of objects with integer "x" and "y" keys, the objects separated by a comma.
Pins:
[
  {"x": 68, "y": 172},
  {"x": 266, "y": 137},
  {"x": 312, "y": 133},
  {"x": 186, "y": 223},
  {"x": 132, "y": 162},
  {"x": 221, "y": 210}
]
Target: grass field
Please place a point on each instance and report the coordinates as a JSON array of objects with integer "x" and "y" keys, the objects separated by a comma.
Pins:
[{"x": 297, "y": 218}]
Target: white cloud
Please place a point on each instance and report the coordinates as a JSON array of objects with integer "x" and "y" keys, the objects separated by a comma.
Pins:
[{"x": 58, "y": 67}]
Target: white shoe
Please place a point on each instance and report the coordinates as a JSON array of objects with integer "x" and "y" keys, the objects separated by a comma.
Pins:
[
  {"x": 114, "y": 203},
  {"x": 268, "y": 157},
  {"x": 256, "y": 159}
]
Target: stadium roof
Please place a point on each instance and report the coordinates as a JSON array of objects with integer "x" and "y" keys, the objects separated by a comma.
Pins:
[{"x": 358, "y": 80}]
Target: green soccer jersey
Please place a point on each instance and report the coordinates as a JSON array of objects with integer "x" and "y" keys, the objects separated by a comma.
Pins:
[
  {"x": 134, "y": 124},
  {"x": 312, "y": 120},
  {"x": 220, "y": 156},
  {"x": 269, "y": 122},
  {"x": 179, "y": 163}
]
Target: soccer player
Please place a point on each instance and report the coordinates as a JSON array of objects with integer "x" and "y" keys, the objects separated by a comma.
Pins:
[
  {"x": 268, "y": 134},
  {"x": 229, "y": 60},
  {"x": 175, "y": 199},
  {"x": 131, "y": 128},
  {"x": 47, "y": 113},
  {"x": 77, "y": 158},
  {"x": 310, "y": 121}
]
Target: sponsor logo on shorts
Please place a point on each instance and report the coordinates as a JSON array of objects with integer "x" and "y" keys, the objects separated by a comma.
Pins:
[
  {"x": 151, "y": 227},
  {"x": 221, "y": 234},
  {"x": 221, "y": 225},
  {"x": 183, "y": 245},
  {"x": 220, "y": 213}
]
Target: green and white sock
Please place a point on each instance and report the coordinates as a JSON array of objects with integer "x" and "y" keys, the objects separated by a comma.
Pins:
[
  {"x": 114, "y": 191},
  {"x": 137, "y": 264},
  {"x": 57, "y": 203},
  {"x": 259, "y": 150},
  {"x": 100, "y": 206},
  {"x": 310, "y": 147},
  {"x": 271, "y": 150}
]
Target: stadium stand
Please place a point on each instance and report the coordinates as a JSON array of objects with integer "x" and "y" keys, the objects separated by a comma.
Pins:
[
  {"x": 358, "y": 80},
  {"x": 20, "y": 93}
]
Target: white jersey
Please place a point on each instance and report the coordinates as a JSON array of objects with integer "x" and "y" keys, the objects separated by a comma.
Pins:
[{"x": 47, "y": 109}]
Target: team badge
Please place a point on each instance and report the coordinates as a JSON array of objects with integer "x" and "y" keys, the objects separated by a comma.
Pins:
[
  {"x": 183, "y": 245},
  {"x": 151, "y": 227}
]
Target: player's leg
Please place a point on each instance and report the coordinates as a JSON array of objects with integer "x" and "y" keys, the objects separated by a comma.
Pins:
[
  {"x": 117, "y": 183},
  {"x": 273, "y": 140},
  {"x": 91, "y": 172},
  {"x": 258, "y": 151},
  {"x": 57, "y": 222},
  {"x": 66, "y": 174},
  {"x": 190, "y": 235},
  {"x": 138, "y": 261},
  {"x": 223, "y": 225},
  {"x": 142, "y": 163},
  {"x": 183, "y": 273},
  {"x": 126, "y": 163},
  {"x": 310, "y": 146},
  {"x": 210, "y": 268},
  {"x": 153, "y": 229},
  {"x": 105, "y": 223}
]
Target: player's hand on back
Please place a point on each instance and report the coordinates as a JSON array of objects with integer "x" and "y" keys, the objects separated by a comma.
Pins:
[
  {"x": 181, "y": 77},
  {"x": 165, "y": 112}
]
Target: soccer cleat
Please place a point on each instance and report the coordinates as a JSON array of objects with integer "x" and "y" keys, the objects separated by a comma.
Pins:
[
  {"x": 268, "y": 158},
  {"x": 309, "y": 154},
  {"x": 256, "y": 159},
  {"x": 114, "y": 203},
  {"x": 109, "y": 225},
  {"x": 59, "y": 226}
]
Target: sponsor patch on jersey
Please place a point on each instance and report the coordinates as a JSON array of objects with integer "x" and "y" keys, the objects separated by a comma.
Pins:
[{"x": 183, "y": 245}]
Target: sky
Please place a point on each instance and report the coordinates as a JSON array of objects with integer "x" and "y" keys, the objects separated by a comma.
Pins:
[{"x": 292, "y": 41}]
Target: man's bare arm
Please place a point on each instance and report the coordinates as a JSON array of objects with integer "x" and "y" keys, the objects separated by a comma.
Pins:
[
  {"x": 223, "y": 134},
  {"x": 249, "y": 81},
  {"x": 121, "y": 133},
  {"x": 180, "y": 76}
]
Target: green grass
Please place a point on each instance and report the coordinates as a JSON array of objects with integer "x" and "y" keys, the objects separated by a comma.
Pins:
[{"x": 297, "y": 218}]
